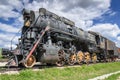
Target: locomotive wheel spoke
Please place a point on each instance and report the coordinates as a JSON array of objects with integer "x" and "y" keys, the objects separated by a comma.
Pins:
[
  {"x": 61, "y": 60},
  {"x": 80, "y": 57},
  {"x": 87, "y": 57},
  {"x": 72, "y": 59},
  {"x": 30, "y": 62},
  {"x": 94, "y": 58}
]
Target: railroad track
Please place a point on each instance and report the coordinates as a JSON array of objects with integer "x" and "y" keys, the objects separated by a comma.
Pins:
[
  {"x": 3, "y": 60},
  {"x": 16, "y": 70}
]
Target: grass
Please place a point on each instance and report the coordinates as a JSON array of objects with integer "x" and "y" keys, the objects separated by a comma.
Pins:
[
  {"x": 70, "y": 73},
  {"x": 114, "y": 77}
]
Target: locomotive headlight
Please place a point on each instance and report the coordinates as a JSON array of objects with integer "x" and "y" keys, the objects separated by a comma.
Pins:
[{"x": 27, "y": 23}]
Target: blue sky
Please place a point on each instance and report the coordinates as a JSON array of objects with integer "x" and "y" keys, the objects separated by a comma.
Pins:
[
  {"x": 102, "y": 16},
  {"x": 112, "y": 16}
]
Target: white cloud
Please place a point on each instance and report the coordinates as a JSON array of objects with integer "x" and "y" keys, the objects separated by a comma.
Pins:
[
  {"x": 82, "y": 12},
  {"x": 5, "y": 40},
  {"x": 7, "y": 12},
  {"x": 8, "y": 37},
  {"x": 7, "y": 44},
  {"x": 111, "y": 31},
  {"x": 79, "y": 11},
  {"x": 117, "y": 43},
  {"x": 75, "y": 10},
  {"x": 111, "y": 13},
  {"x": 108, "y": 30},
  {"x": 7, "y": 7},
  {"x": 8, "y": 31},
  {"x": 8, "y": 28},
  {"x": 118, "y": 38}
]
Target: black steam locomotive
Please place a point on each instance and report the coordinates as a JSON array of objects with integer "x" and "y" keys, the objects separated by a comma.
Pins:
[{"x": 51, "y": 39}]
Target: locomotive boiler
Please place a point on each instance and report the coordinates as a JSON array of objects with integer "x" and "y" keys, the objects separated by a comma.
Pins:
[{"x": 51, "y": 39}]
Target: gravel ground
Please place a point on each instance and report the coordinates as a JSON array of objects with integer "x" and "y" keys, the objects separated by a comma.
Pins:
[
  {"x": 96, "y": 78},
  {"x": 104, "y": 76},
  {"x": 3, "y": 64},
  {"x": 118, "y": 78},
  {"x": 10, "y": 72}
]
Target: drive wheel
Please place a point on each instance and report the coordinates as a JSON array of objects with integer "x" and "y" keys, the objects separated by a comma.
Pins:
[
  {"x": 80, "y": 57},
  {"x": 87, "y": 58},
  {"x": 94, "y": 58},
  {"x": 30, "y": 62},
  {"x": 61, "y": 61},
  {"x": 72, "y": 59}
]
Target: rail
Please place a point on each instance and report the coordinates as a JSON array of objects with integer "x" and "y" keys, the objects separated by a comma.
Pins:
[{"x": 14, "y": 38}]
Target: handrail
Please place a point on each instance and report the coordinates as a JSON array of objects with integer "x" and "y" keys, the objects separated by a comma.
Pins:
[
  {"x": 24, "y": 32},
  {"x": 13, "y": 38}
]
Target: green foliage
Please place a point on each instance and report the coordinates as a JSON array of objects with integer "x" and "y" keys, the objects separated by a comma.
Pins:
[
  {"x": 114, "y": 77},
  {"x": 83, "y": 72}
]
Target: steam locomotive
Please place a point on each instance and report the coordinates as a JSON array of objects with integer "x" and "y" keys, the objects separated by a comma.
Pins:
[{"x": 51, "y": 39}]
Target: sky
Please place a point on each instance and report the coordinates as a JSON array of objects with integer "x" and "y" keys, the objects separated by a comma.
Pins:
[{"x": 101, "y": 16}]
